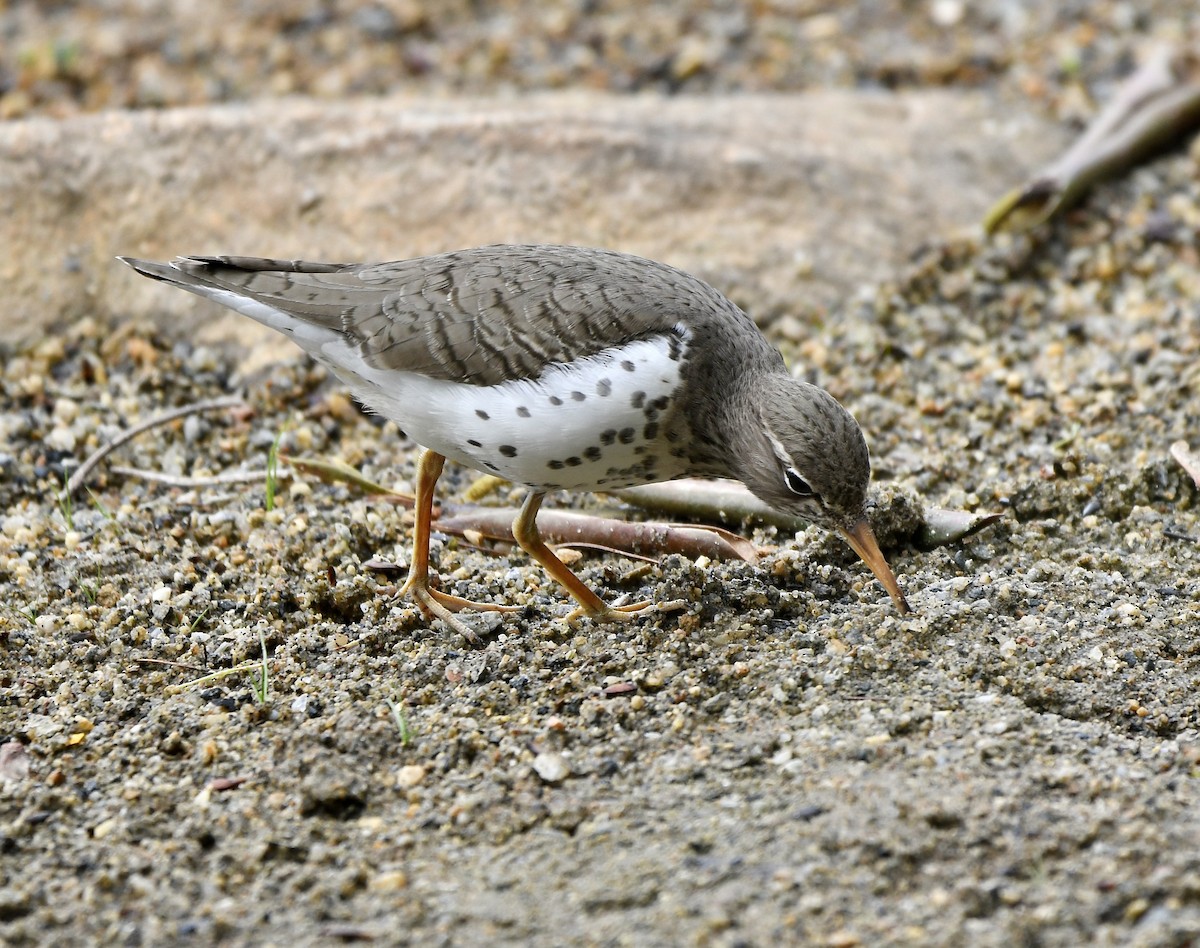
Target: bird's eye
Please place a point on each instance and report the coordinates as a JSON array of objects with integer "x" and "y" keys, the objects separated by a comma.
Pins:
[{"x": 797, "y": 484}]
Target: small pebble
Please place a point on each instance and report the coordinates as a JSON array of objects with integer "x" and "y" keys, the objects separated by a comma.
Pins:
[
  {"x": 410, "y": 775},
  {"x": 551, "y": 767}
]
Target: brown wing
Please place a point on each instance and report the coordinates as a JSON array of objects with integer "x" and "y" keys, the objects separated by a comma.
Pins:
[{"x": 485, "y": 315}]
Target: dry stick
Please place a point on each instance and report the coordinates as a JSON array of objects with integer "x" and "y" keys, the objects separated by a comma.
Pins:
[
  {"x": 187, "y": 483},
  {"x": 601, "y": 548},
  {"x": 561, "y": 527},
  {"x": 170, "y": 664},
  {"x": 79, "y": 478},
  {"x": 731, "y": 502},
  {"x": 335, "y": 472},
  {"x": 1155, "y": 105},
  {"x": 725, "y": 500},
  {"x": 568, "y": 528}
]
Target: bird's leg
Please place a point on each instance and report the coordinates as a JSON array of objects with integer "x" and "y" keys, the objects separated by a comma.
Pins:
[
  {"x": 525, "y": 532},
  {"x": 434, "y": 603}
]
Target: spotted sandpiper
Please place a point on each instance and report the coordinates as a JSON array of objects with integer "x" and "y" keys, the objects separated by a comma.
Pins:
[{"x": 560, "y": 368}]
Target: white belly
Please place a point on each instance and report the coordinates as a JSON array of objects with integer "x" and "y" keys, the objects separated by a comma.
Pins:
[{"x": 586, "y": 425}]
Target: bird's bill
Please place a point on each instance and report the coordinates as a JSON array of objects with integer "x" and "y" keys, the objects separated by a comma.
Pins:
[{"x": 862, "y": 538}]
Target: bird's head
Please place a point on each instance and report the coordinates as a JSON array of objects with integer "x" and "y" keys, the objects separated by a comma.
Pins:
[{"x": 806, "y": 456}]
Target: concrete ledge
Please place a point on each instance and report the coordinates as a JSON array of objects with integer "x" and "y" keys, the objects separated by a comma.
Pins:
[{"x": 787, "y": 202}]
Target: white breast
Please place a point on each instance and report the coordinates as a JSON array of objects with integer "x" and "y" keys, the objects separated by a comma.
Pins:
[{"x": 583, "y": 425}]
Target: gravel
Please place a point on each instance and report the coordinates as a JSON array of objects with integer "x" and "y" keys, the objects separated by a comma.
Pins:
[
  {"x": 785, "y": 761},
  {"x": 71, "y": 56}
]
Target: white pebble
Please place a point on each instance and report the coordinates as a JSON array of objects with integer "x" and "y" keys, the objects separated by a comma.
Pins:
[
  {"x": 66, "y": 410},
  {"x": 946, "y": 12},
  {"x": 409, "y": 776},
  {"x": 553, "y": 768},
  {"x": 61, "y": 438}
]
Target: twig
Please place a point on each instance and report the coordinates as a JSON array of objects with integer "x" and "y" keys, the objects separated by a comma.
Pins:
[
  {"x": 723, "y": 500},
  {"x": 183, "y": 482},
  {"x": 334, "y": 472},
  {"x": 733, "y": 503},
  {"x": 163, "y": 661},
  {"x": 207, "y": 679},
  {"x": 81, "y": 473},
  {"x": 569, "y": 528},
  {"x": 601, "y": 548},
  {"x": 1153, "y": 107}
]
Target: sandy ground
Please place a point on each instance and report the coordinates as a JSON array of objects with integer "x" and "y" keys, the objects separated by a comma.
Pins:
[{"x": 784, "y": 761}]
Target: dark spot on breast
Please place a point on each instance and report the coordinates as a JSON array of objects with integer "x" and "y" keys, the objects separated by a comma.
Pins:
[
  {"x": 608, "y": 436},
  {"x": 555, "y": 465},
  {"x": 592, "y": 453},
  {"x": 628, "y": 366},
  {"x": 650, "y": 432},
  {"x": 523, "y": 412},
  {"x": 604, "y": 388},
  {"x": 510, "y": 452},
  {"x": 473, "y": 443},
  {"x": 555, "y": 400},
  {"x": 661, "y": 402},
  {"x": 578, "y": 396},
  {"x": 573, "y": 461},
  {"x": 626, "y": 435},
  {"x": 638, "y": 400},
  {"x": 482, "y": 414}
]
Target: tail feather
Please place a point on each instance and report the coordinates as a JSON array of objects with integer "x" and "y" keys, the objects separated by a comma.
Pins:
[
  {"x": 208, "y": 264},
  {"x": 246, "y": 285}
]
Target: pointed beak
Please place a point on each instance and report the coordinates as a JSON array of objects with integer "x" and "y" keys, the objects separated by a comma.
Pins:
[{"x": 862, "y": 538}]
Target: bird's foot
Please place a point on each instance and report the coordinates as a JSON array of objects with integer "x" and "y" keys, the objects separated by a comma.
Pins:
[{"x": 439, "y": 605}]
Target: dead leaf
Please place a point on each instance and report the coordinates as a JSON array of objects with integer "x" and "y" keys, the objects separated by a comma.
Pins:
[
  {"x": 942, "y": 526},
  {"x": 14, "y": 762},
  {"x": 1187, "y": 460}
]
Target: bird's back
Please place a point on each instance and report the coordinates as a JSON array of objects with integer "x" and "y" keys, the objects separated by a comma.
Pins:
[{"x": 481, "y": 316}]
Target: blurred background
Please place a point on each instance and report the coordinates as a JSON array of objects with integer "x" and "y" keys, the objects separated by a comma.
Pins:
[{"x": 62, "y": 58}]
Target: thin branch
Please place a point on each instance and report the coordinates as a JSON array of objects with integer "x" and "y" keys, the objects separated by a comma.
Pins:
[
  {"x": 334, "y": 472},
  {"x": 723, "y": 500},
  {"x": 601, "y": 548},
  {"x": 187, "y": 483},
  {"x": 731, "y": 502},
  {"x": 1156, "y": 105},
  {"x": 169, "y": 664},
  {"x": 569, "y": 528},
  {"x": 79, "y": 478}
]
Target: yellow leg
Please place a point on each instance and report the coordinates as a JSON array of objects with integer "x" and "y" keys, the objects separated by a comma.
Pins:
[
  {"x": 432, "y": 602},
  {"x": 525, "y": 532}
]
